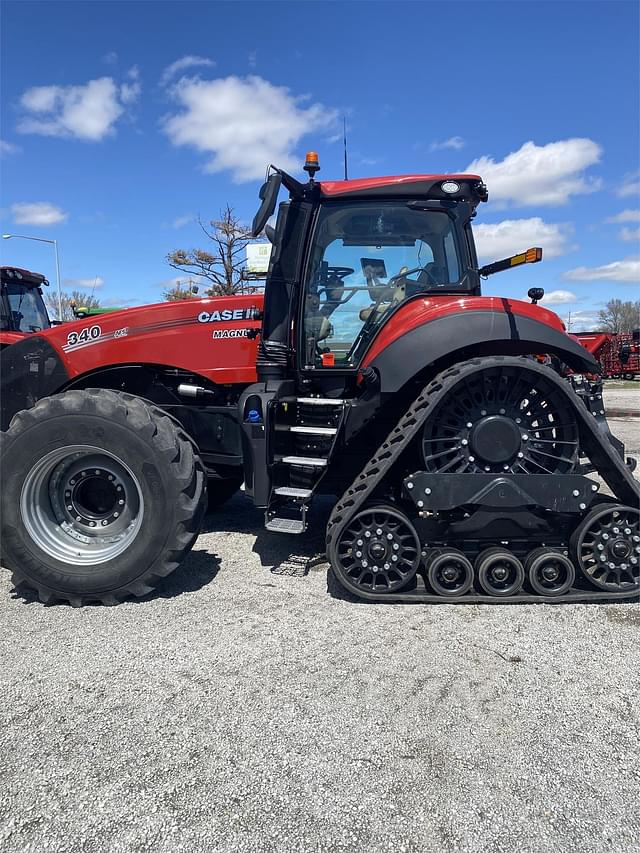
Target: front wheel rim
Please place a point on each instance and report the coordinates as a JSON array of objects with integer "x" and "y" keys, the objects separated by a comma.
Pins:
[{"x": 82, "y": 505}]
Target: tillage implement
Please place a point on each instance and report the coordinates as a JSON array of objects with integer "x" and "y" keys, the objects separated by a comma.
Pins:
[{"x": 461, "y": 435}]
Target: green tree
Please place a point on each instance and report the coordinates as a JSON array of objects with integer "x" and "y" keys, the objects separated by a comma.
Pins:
[
  {"x": 222, "y": 262},
  {"x": 69, "y": 299},
  {"x": 618, "y": 316}
]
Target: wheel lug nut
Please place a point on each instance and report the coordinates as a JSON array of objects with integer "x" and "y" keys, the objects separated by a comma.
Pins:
[
  {"x": 483, "y": 412},
  {"x": 364, "y": 564},
  {"x": 576, "y": 493},
  {"x": 611, "y": 565},
  {"x": 605, "y": 536},
  {"x": 518, "y": 420},
  {"x": 70, "y": 507},
  {"x": 72, "y": 482},
  {"x": 92, "y": 524},
  {"x": 358, "y": 554},
  {"x": 600, "y": 546},
  {"x": 420, "y": 504},
  {"x": 389, "y": 536},
  {"x": 359, "y": 542},
  {"x": 387, "y": 566},
  {"x": 471, "y": 459},
  {"x": 396, "y": 547},
  {"x": 464, "y": 442},
  {"x": 616, "y": 530},
  {"x": 394, "y": 558},
  {"x": 520, "y": 455},
  {"x": 627, "y": 531},
  {"x": 409, "y": 485},
  {"x": 502, "y": 411},
  {"x": 427, "y": 491},
  {"x": 525, "y": 438},
  {"x": 379, "y": 531},
  {"x": 78, "y": 518},
  {"x": 98, "y": 471},
  {"x": 603, "y": 559},
  {"x": 634, "y": 561},
  {"x": 116, "y": 514},
  {"x": 367, "y": 534},
  {"x": 469, "y": 425},
  {"x": 105, "y": 522},
  {"x": 636, "y": 538},
  {"x": 121, "y": 502}
]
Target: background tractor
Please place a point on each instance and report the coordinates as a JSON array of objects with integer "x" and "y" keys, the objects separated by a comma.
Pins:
[
  {"x": 22, "y": 307},
  {"x": 456, "y": 431}
]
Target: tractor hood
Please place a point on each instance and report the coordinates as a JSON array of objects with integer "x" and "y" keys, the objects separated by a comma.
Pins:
[{"x": 215, "y": 338}]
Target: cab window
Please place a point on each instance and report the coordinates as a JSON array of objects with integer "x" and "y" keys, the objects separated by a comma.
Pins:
[{"x": 365, "y": 260}]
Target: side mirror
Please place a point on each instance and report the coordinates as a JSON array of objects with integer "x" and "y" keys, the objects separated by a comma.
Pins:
[
  {"x": 269, "y": 195},
  {"x": 535, "y": 294}
]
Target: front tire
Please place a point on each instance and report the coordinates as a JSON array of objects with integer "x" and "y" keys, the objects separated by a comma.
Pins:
[{"x": 102, "y": 495}]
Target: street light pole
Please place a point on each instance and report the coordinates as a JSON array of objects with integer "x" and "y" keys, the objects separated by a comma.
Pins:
[{"x": 54, "y": 243}]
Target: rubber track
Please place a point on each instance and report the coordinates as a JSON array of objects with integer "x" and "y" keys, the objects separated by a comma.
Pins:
[{"x": 608, "y": 464}]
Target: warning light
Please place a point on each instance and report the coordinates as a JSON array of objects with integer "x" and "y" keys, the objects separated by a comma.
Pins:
[
  {"x": 328, "y": 359},
  {"x": 533, "y": 255},
  {"x": 311, "y": 163}
]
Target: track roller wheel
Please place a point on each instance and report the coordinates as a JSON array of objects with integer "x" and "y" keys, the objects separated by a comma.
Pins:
[
  {"x": 549, "y": 571},
  {"x": 606, "y": 547},
  {"x": 449, "y": 572},
  {"x": 378, "y": 551},
  {"x": 500, "y": 573}
]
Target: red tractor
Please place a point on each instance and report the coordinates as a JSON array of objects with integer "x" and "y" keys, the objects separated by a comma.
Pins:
[
  {"x": 372, "y": 369},
  {"x": 22, "y": 308}
]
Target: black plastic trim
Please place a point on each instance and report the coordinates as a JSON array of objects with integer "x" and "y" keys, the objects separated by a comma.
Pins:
[{"x": 479, "y": 332}]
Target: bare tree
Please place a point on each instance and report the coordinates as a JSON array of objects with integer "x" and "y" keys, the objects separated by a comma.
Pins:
[
  {"x": 81, "y": 300},
  {"x": 222, "y": 263},
  {"x": 180, "y": 290},
  {"x": 618, "y": 316}
]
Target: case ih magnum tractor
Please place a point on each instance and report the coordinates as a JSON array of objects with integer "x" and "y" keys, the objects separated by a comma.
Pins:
[
  {"x": 22, "y": 308},
  {"x": 372, "y": 370}
]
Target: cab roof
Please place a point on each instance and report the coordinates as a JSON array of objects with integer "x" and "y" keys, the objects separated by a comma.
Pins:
[
  {"x": 27, "y": 277},
  {"x": 471, "y": 187}
]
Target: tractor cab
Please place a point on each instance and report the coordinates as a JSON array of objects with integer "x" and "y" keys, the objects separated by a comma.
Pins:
[
  {"x": 348, "y": 255},
  {"x": 22, "y": 308}
]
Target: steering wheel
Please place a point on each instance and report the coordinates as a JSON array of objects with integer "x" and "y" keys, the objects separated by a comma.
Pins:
[
  {"x": 410, "y": 272},
  {"x": 339, "y": 272}
]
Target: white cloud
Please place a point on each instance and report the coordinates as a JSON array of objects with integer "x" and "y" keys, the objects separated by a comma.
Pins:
[
  {"x": 625, "y": 216},
  {"x": 110, "y": 58},
  {"x": 454, "y": 142},
  {"x": 88, "y": 112},
  {"x": 560, "y": 297},
  {"x": 37, "y": 213},
  {"x": 630, "y": 185},
  {"x": 540, "y": 175},
  {"x": 130, "y": 92},
  {"x": 243, "y": 123},
  {"x": 181, "y": 221},
  {"x": 626, "y": 270},
  {"x": 182, "y": 64},
  {"x": 630, "y": 235},
  {"x": 581, "y": 321},
  {"x": 501, "y": 239},
  {"x": 7, "y": 148},
  {"x": 84, "y": 283}
]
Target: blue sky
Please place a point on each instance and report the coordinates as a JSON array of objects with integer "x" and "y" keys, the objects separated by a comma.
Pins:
[{"x": 121, "y": 122}]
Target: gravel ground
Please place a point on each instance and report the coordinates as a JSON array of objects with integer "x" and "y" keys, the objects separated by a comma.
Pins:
[{"x": 243, "y": 708}]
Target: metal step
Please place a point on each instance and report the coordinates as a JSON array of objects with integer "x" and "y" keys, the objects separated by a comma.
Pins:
[
  {"x": 305, "y": 461},
  {"x": 285, "y": 525},
  {"x": 319, "y": 401},
  {"x": 310, "y": 430},
  {"x": 291, "y": 492}
]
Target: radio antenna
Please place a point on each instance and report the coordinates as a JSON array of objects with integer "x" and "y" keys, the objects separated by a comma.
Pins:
[{"x": 344, "y": 139}]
